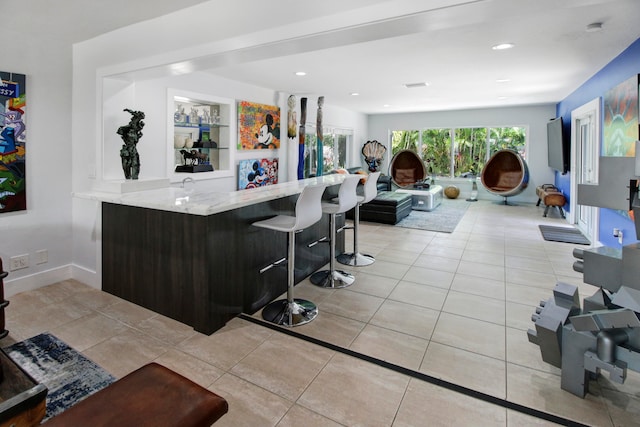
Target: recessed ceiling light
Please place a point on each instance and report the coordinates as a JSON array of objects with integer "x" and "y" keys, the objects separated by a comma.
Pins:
[
  {"x": 502, "y": 98},
  {"x": 386, "y": 105},
  {"x": 503, "y": 46},
  {"x": 503, "y": 80},
  {"x": 354, "y": 94},
  {"x": 301, "y": 73},
  {"x": 594, "y": 27}
]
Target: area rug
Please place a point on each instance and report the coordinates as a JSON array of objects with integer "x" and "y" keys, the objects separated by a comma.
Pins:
[
  {"x": 67, "y": 374},
  {"x": 563, "y": 234},
  {"x": 444, "y": 218}
]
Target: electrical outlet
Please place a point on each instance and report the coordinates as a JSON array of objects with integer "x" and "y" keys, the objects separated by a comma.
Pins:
[
  {"x": 19, "y": 262},
  {"x": 42, "y": 256}
]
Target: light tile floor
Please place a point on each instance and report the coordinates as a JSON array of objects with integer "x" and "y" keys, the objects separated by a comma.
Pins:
[{"x": 453, "y": 306}]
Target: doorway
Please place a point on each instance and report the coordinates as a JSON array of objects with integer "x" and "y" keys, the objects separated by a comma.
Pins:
[{"x": 585, "y": 147}]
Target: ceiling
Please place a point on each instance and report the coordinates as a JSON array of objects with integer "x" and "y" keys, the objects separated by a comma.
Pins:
[{"x": 374, "y": 47}]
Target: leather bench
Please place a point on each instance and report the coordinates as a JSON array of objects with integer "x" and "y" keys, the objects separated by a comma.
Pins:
[
  {"x": 550, "y": 196},
  {"x": 389, "y": 207},
  {"x": 150, "y": 396}
]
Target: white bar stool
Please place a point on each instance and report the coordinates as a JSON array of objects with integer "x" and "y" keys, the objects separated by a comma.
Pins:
[
  {"x": 346, "y": 200},
  {"x": 294, "y": 311},
  {"x": 355, "y": 258}
]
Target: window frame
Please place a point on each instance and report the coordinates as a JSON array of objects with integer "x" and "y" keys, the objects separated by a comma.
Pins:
[
  {"x": 335, "y": 133},
  {"x": 452, "y": 143}
]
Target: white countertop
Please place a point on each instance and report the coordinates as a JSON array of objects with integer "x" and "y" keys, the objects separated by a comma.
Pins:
[{"x": 199, "y": 202}]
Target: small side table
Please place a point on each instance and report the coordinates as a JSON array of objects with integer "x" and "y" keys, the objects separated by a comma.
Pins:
[
  {"x": 22, "y": 399},
  {"x": 425, "y": 200}
]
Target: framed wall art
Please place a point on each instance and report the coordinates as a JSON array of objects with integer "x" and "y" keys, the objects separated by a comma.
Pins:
[
  {"x": 13, "y": 141},
  {"x": 255, "y": 173},
  {"x": 621, "y": 119},
  {"x": 258, "y": 126}
]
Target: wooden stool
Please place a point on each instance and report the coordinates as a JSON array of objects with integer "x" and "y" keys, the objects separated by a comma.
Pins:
[
  {"x": 151, "y": 396},
  {"x": 550, "y": 196}
]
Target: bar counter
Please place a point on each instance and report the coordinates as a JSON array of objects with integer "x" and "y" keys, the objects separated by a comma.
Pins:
[{"x": 195, "y": 257}]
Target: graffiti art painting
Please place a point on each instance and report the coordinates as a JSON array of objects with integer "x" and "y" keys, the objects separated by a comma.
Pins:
[
  {"x": 13, "y": 141},
  {"x": 257, "y": 173},
  {"x": 259, "y": 126}
]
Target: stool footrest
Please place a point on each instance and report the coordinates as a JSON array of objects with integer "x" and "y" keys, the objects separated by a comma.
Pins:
[
  {"x": 273, "y": 264},
  {"x": 322, "y": 240}
]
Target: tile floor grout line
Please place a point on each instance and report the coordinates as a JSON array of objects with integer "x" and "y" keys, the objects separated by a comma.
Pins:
[{"x": 422, "y": 376}]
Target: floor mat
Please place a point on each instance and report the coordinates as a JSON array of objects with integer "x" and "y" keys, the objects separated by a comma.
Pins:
[
  {"x": 563, "y": 234},
  {"x": 444, "y": 218},
  {"x": 68, "y": 375}
]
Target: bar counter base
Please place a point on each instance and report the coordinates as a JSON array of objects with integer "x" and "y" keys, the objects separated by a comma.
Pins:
[{"x": 203, "y": 270}]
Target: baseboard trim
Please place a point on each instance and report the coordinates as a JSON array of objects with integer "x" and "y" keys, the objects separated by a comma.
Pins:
[
  {"x": 49, "y": 277},
  {"x": 36, "y": 280}
]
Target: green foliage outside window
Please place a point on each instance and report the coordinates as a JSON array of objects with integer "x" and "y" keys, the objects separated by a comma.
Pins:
[
  {"x": 436, "y": 151},
  {"x": 470, "y": 151},
  {"x": 512, "y": 137},
  {"x": 404, "y": 140}
]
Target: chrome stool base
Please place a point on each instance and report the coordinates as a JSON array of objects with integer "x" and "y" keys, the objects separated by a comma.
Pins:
[
  {"x": 285, "y": 313},
  {"x": 339, "y": 279},
  {"x": 355, "y": 260}
]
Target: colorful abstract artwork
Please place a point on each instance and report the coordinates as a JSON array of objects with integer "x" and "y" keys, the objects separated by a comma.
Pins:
[
  {"x": 621, "y": 119},
  {"x": 259, "y": 126},
  {"x": 13, "y": 140},
  {"x": 257, "y": 173}
]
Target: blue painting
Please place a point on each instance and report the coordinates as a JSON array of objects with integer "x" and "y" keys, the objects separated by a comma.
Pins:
[
  {"x": 13, "y": 141},
  {"x": 255, "y": 173}
]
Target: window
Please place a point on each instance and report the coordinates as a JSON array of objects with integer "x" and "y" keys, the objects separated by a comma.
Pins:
[
  {"x": 404, "y": 140},
  {"x": 470, "y": 151},
  {"x": 436, "y": 151},
  {"x": 459, "y": 152},
  {"x": 334, "y": 149},
  {"x": 509, "y": 137}
]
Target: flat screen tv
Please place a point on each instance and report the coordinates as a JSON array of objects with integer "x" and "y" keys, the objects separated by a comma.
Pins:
[{"x": 557, "y": 147}]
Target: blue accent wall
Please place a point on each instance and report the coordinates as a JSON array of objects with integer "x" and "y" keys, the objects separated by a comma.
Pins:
[{"x": 624, "y": 66}]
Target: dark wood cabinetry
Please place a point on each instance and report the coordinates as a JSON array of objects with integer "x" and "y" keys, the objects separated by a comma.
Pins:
[{"x": 203, "y": 270}]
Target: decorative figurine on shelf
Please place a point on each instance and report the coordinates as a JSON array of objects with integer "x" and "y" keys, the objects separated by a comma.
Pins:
[
  {"x": 179, "y": 116},
  {"x": 206, "y": 117},
  {"x": 193, "y": 116},
  {"x": 131, "y": 134}
]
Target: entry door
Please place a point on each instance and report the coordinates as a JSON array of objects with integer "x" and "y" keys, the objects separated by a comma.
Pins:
[
  {"x": 585, "y": 130},
  {"x": 587, "y": 156}
]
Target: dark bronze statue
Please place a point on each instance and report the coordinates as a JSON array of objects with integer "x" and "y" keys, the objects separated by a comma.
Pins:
[{"x": 131, "y": 134}]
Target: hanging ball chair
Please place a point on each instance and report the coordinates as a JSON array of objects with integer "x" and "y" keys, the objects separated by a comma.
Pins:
[
  {"x": 506, "y": 174},
  {"x": 407, "y": 168}
]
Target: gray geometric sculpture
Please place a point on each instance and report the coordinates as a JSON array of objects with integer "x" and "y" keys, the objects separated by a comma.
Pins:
[{"x": 603, "y": 335}]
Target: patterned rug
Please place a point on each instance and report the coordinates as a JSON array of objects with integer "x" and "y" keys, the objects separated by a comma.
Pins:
[
  {"x": 444, "y": 218},
  {"x": 68, "y": 375}
]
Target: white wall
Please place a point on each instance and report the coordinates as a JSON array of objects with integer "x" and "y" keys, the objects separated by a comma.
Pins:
[
  {"x": 46, "y": 224},
  {"x": 534, "y": 117}
]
